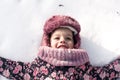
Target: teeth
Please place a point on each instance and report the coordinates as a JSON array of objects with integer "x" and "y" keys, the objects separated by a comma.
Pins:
[{"x": 62, "y": 47}]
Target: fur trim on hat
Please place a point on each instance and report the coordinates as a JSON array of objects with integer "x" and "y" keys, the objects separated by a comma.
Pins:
[{"x": 58, "y": 21}]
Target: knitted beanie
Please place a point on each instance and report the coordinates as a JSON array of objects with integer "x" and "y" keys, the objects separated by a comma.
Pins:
[{"x": 58, "y": 21}]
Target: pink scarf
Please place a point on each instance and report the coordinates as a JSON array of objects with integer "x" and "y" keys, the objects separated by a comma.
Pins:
[{"x": 63, "y": 57}]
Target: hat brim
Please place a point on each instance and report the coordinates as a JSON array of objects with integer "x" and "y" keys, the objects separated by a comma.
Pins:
[{"x": 71, "y": 28}]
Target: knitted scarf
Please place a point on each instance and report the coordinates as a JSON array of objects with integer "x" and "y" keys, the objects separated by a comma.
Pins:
[{"x": 63, "y": 57}]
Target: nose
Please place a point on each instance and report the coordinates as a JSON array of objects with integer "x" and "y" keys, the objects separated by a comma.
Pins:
[{"x": 62, "y": 40}]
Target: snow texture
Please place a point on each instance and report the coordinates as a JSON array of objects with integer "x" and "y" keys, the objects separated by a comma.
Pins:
[{"x": 21, "y": 24}]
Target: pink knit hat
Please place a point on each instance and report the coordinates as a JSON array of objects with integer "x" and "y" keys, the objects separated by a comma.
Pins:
[{"x": 58, "y": 21}]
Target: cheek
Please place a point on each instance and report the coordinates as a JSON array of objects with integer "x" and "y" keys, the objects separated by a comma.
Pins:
[
  {"x": 71, "y": 44},
  {"x": 53, "y": 44}
]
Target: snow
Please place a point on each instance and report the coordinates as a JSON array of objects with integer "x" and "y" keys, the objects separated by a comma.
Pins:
[{"x": 21, "y": 24}]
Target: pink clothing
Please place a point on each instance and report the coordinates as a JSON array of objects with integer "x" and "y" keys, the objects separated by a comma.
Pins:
[
  {"x": 63, "y": 57},
  {"x": 58, "y": 21},
  {"x": 41, "y": 69}
]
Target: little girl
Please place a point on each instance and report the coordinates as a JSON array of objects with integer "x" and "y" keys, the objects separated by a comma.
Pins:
[{"x": 59, "y": 57}]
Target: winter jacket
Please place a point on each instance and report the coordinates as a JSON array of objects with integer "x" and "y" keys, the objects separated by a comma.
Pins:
[{"x": 59, "y": 64}]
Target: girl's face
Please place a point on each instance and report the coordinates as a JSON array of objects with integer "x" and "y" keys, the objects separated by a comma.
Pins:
[{"x": 62, "y": 38}]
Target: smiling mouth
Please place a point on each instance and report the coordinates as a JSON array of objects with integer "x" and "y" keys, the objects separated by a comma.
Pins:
[{"x": 63, "y": 47}]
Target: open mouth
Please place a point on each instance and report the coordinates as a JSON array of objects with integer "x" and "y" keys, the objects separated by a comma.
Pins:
[{"x": 63, "y": 47}]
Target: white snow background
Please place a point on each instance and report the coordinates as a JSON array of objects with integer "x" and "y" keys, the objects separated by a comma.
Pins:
[{"x": 21, "y": 24}]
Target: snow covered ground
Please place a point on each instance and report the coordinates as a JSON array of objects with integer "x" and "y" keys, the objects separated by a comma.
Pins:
[{"x": 21, "y": 23}]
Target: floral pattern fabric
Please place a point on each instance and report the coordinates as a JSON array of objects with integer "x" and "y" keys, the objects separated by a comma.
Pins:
[{"x": 41, "y": 70}]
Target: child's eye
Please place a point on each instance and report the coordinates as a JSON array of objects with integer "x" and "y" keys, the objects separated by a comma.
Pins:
[
  {"x": 69, "y": 38},
  {"x": 56, "y": 38}
]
